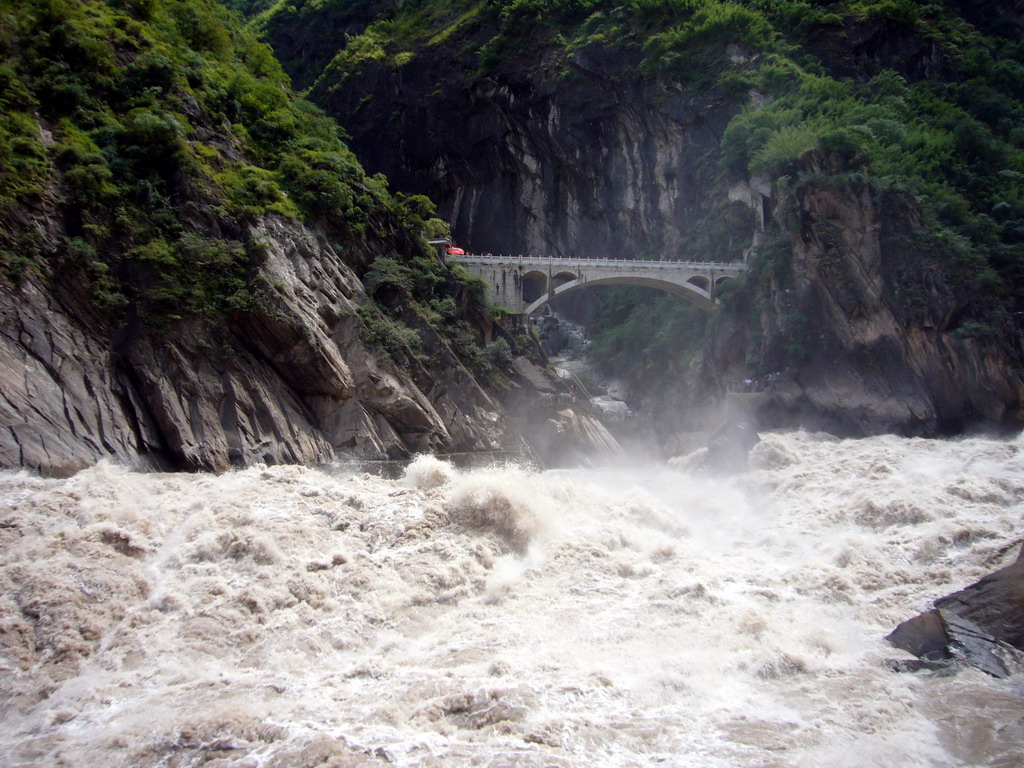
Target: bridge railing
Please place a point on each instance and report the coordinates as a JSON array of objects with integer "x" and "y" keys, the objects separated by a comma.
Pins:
[{"x": 566, "y": 261}]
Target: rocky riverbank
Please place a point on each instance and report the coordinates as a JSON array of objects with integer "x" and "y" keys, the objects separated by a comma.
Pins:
[{"x": 291, "y": 382}]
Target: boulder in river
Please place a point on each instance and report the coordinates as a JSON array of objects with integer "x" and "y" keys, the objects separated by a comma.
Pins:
[
  {"x": 942, "y": 640},
  {"x": 995, "y": 603},
  {"x": 980, "y": 626}
]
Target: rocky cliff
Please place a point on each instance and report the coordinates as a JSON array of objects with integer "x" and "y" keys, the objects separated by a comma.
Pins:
[
  {"x": 186, "y": 248},
  {"x": 291, "y": 382},
  {"x": 848, "y": 144},
  {"x": 562, "y": 155},
  {"x": 856, "y": 328},
  {"x": 599, "y": 168}
]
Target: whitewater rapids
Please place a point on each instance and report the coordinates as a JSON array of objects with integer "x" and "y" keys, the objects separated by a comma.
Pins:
[{"x": 289, "y": 617}]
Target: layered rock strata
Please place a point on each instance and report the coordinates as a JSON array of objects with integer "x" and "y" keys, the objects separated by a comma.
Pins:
[{"x": 289, "y": 382}]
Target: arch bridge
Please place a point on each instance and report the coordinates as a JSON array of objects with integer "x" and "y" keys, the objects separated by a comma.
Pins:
[{"x": 524, "y": 284}]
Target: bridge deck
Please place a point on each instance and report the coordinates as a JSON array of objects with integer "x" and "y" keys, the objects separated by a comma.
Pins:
[{"x": 564, "y": 261}]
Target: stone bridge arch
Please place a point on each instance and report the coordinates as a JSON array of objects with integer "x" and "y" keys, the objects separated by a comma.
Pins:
[
  {"x": 533, "y": 284},
  {"x": 561, "y": 278},
  {"x": 702, "y": 282},
  {"x": 701, "y": 297}
]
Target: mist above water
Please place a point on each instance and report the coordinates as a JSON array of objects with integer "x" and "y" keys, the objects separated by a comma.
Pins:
[{"x": 287, "y": 616}]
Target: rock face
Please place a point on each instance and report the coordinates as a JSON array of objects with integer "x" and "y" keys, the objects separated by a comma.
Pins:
[
  {"x": 865, "y": 326},
  {"x": 63, "y": 402},
  {"x": 600, "y": 165},
  {"x": 561, "y": 430},
  {"x": 859, "y": 331},
  {"x": 568, "y": 437},
  {"x": 291, "y": 382}
]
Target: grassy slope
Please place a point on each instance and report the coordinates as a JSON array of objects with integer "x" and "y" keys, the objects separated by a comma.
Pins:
[{"x": 919, "y": 101}]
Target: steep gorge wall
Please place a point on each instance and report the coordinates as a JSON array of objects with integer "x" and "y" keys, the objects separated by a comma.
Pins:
[
  {"x": 584, "y": 156},
  {"x": 182, "y": 246},
  {"x": 878, "y": 299},
  {"x": 289, "y": 382},
  {"x": 593, "y": 164},
  {"x": 853, "y": 329}
]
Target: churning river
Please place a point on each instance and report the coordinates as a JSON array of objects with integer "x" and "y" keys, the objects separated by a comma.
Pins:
[{"x": 286, "y": 617}]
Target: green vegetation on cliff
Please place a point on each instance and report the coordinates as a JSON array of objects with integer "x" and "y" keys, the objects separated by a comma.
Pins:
[
  {"x": 159, "y": 124},
  {"x": 156, "y": 131},
  {"x": 646, "y": 333}
]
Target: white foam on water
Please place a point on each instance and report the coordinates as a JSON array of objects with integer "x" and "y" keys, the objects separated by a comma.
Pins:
[{"x": 285, "y": 616}]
